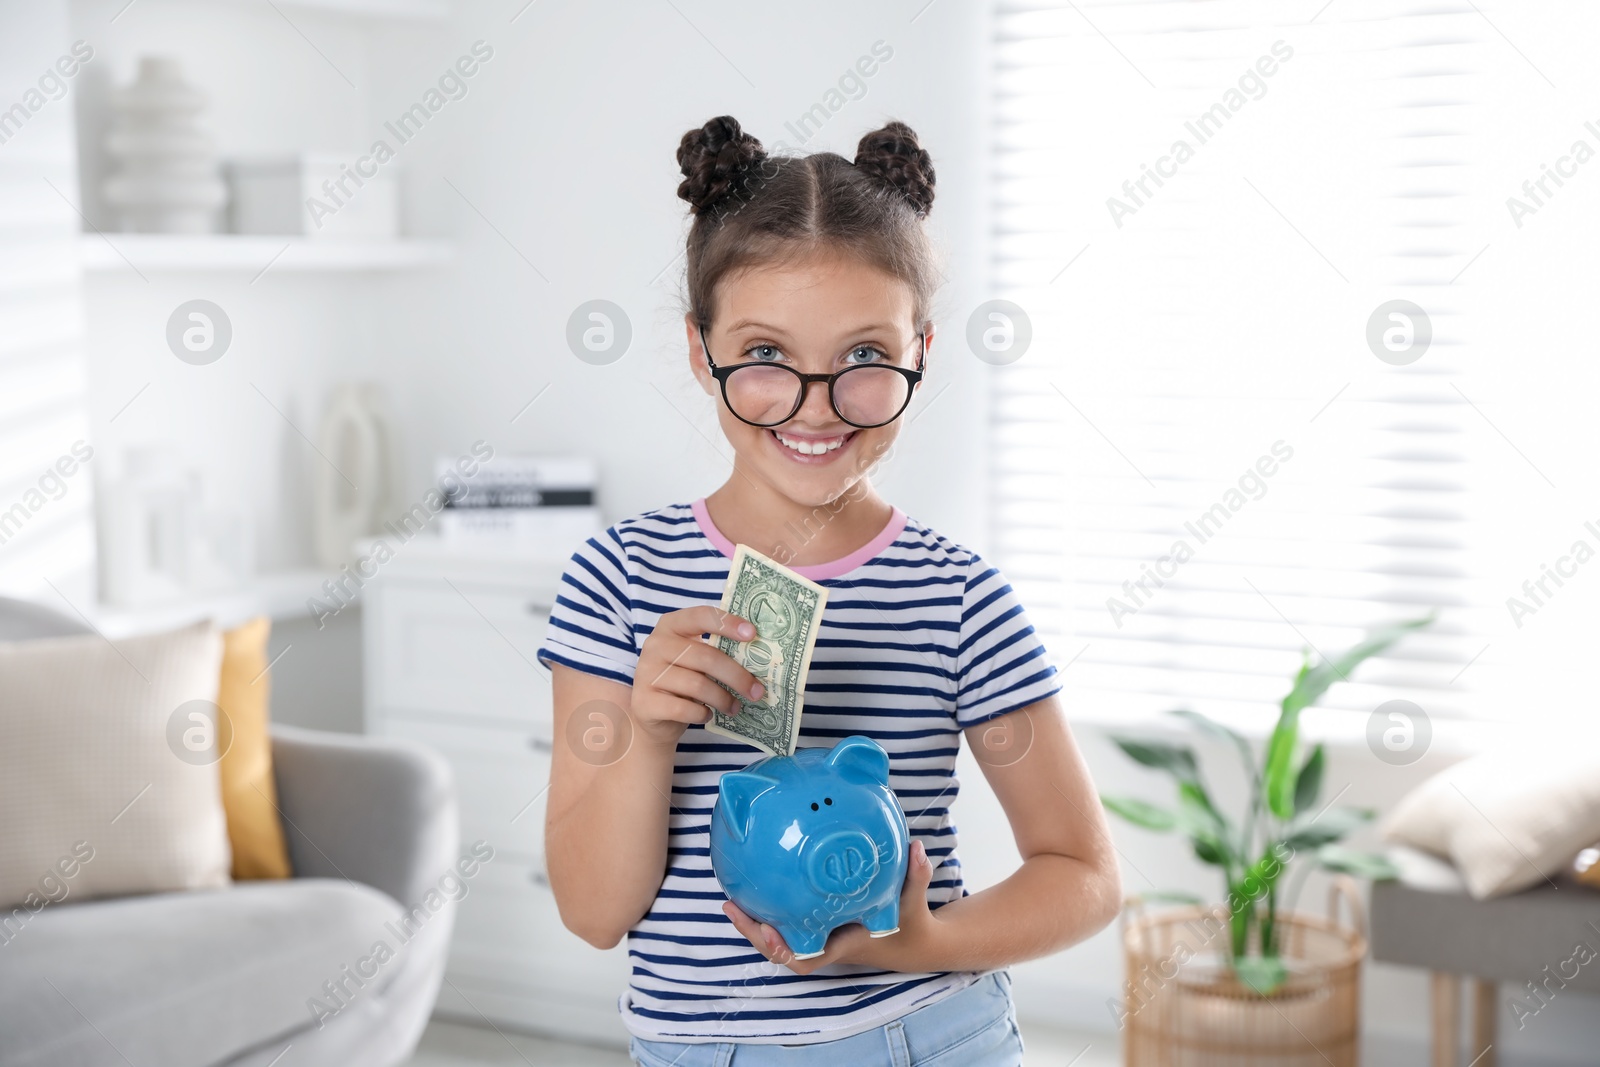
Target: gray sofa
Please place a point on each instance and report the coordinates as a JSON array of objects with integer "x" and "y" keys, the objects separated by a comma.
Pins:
[{"x": 228, "y": 977}]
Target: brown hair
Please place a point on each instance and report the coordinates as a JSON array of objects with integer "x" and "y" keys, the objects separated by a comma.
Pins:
[{"x": 752, "y": 208}]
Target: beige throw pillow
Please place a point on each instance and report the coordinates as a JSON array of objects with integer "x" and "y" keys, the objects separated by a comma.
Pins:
[
  {"x": 104, "y": 769},
  {"x": 1507, "y": 820}
]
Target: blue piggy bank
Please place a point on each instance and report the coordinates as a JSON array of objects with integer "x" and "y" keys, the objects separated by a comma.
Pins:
[{"x": 814, "y": 841}]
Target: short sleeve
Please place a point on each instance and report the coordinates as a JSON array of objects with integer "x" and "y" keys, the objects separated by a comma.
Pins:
[
  {"x": 1000, "y": 663},
  {"x": 591, "y": 622}
]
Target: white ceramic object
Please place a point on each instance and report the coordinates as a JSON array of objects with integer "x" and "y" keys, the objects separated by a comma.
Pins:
[
  {"x": 160, "y": 539},
  {"x": 148, "y": 530},
  {"x": 167, "y": 178},
  {"x": 353, "y": 483}
]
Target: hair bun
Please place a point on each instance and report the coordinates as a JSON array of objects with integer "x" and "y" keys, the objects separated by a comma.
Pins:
[
  {"x": 892, "y": 155},
  {"x": 716, "y": 161}
]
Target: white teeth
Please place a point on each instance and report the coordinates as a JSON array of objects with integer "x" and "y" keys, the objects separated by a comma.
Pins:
[{"x": 808, "y": 447}]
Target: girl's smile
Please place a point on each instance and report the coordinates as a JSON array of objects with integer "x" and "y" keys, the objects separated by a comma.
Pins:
[{"x": 815, "y": 449}]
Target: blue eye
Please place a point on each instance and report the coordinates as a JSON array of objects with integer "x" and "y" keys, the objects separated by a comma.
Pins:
[
  {"x": 865, "y": 354},
  {"x": 763, "y": 353}
]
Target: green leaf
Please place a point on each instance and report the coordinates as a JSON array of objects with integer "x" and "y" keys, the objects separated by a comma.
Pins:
[
  {"x": 1140, "y": 813},
  {"x": 1292, "y": 703},
  {"x": 1329, "y": 826},
  {"x": 1211, "y": 726},
  {"x": 1210, "y": 850},
  {"x": 1197, "y": 815},
  {"x": 1247, "y": 764},
  {"x": 1196, "y": 812},
  {"x": 1314, "y": 837},
  {"x": 1258, "y": 881},
  {"x": 1264, "y": 974},
  {"x": 1373, "y": 865},
  {"x": 1169, "y": 896},
  {"x": 1277, "y": 771},
  {"x": 1308, "y": 784},
  {"x": 1312, "y": 683},
  {"x": 1309, "y": 685},
  {"x": 1199, "y": 818},
  {"x": 1177, "y": 760}
]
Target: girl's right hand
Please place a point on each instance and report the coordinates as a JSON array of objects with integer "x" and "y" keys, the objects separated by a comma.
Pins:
[{"x": 672, "y": 684}]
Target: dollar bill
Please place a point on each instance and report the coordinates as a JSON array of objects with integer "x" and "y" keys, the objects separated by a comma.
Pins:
[{"x": 786, "y": 611}]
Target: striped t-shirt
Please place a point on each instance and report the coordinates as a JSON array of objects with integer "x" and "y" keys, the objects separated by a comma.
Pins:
[{"x": 919, "y": 639}]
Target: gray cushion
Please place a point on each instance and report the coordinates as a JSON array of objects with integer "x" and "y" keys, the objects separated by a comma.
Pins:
[
  {"x": 186, "y": 979},
  {"x": 22, "y": 620},
  {"x": 379, "y": 810},
  {"x": 1426, "y": 919}
]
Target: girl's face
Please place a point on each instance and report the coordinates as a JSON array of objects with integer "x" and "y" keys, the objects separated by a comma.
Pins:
[{"x": 819, "y": 316}]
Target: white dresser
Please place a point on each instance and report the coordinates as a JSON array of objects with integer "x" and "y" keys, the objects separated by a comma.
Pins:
[{"x": 449, "y": 641}]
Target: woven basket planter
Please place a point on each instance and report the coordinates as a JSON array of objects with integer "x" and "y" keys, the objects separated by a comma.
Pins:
[{"x": 1184, "y": 1007}]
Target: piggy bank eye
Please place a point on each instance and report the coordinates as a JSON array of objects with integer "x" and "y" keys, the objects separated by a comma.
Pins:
[
  {"x": 827, "y": 800},
  {"x": 813, "y": 805}
]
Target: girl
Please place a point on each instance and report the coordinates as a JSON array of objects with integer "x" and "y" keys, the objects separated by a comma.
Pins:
[{"x": 809, "y": 285}]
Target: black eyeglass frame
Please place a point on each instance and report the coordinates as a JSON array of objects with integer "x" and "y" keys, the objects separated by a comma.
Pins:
[{"x": 912, "y": 377}]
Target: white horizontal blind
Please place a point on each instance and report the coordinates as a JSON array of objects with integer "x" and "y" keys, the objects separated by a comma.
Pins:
[
  {"x": 46, "y": 519},
  {"x": 1222, "y": 325}
]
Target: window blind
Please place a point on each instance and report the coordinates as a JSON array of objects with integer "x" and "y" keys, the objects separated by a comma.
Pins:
[
  {"x": 1201, "y": 466},
  {"x": 46, "y": 517}
]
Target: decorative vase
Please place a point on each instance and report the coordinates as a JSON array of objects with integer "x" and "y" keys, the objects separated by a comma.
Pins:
[
  {"x": 168, "y": 178},
  {"x": 354, "y": 478}
]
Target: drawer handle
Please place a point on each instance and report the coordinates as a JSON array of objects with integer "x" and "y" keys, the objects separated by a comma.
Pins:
[
  {"x": 539, "y": 744},
  {"x": 538, "y": 877},
  {"x": 536, "y": 607}
]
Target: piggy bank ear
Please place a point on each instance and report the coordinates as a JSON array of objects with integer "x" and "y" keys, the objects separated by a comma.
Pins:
[
  {"x": 736, "y": 792},
  {"x": 860, "y": 759}
]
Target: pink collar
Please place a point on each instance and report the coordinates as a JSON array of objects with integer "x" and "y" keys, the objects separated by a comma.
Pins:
[{"x": 814, "y": 571}]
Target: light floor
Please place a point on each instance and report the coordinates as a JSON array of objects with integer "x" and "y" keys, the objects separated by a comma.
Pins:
[{"x": 446, "y": 1044}]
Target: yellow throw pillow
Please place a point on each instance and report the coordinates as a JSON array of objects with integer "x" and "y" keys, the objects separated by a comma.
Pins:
[
  {"x": 1586, "y": 868},
  {"x": 249, "y": 795}
]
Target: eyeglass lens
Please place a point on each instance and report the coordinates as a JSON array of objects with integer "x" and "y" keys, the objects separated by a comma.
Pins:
[{"x": 862, "y": 396}]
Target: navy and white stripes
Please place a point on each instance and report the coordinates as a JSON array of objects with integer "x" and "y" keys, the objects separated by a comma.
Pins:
[{"x": 920, "y": 638}]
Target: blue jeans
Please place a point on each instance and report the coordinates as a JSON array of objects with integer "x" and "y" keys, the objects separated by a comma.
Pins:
[{"x": 978, "y": 1025}]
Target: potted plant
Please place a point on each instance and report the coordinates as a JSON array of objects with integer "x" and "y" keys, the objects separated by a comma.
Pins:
[{"x": 1281, "y": 826}]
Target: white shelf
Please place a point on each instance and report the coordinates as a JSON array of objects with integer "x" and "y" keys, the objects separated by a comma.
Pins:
[
  {"x": 113, "y": 253},
  {"x": 391, "y": 9},
  {"x": 278, "y": 595}
]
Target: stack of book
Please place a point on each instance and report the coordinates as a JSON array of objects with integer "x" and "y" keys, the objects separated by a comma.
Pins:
[{"x": 525, "y": 502}]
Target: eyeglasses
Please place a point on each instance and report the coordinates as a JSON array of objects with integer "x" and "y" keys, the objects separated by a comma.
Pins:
[{"x": 769, "y": 394}]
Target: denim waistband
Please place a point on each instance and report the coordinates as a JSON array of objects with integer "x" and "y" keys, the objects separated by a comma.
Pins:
[{"x": 976, "y": 1025}]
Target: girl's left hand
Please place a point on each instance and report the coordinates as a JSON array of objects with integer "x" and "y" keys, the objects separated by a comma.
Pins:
[{"x": 913, "y": 948}]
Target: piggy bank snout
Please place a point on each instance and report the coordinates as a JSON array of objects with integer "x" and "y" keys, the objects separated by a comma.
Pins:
[{"x": 842, "y": 863}]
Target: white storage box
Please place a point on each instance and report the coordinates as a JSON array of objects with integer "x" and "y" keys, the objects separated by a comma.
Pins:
[{"x": 315, "y": 195}]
